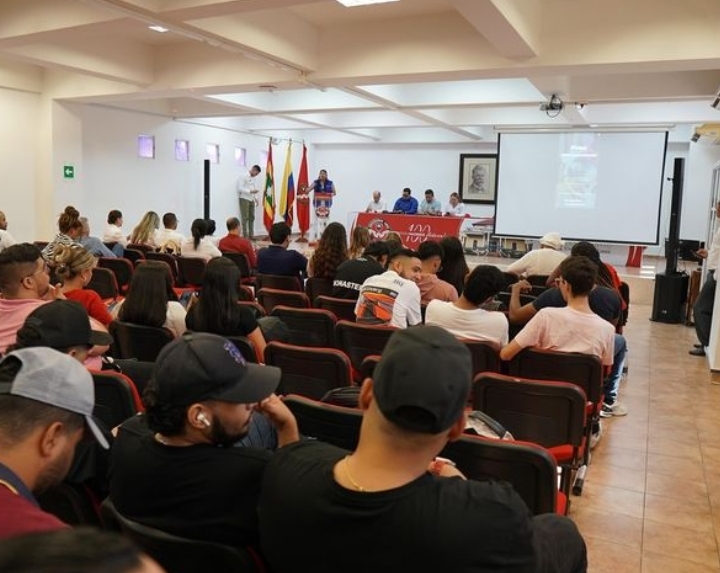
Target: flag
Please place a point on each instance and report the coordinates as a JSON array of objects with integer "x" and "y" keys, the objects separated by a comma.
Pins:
[
  {"x": 269, "y": 193},
  {"x": 287, "y": 193},
  {"x": 303, "y": 205}
]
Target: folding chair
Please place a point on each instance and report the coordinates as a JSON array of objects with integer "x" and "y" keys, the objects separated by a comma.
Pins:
[
  {"x": 191, "y": 271},
  {"x": 269, "y": 298},
  {"x": 116, "y": 398},
  {"x": 314, "y": 287},
  {"x": 138, "y": 341},
  {"x": 361, "y": 340},
  {"x": 279, "y": 282},
  {"x": 342, "y": 308},
  {"x": 545, "y": 412},
  {"x": 529, "y": 468},
  {"x": 335, "y": 425},
  {"x": 104, "y": 283},
  {"x": 309, "y": 372},
  {"x": 121, "y": 268},
  {"x": 308, "y": 326}
]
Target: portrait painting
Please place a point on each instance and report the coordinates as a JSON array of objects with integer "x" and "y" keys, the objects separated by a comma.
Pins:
[{"x": 478, "y": 176}]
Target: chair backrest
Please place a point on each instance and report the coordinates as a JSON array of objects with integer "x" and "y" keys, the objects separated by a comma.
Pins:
[
  {"x": 246, "y": 347},
  {"x": 257, "y": 310},
  {"x": 367, "y": 368},
  {"x": 308, "y": 326},
  {"x": 104, "y": 283},
  {"x": 540, "y": 411},
  {"x": 41, "y": 244},
  {"x": 335, "y": 425},
  {"x": 179, "y": 554},
  {"x": 309, "y": 372},
  {"x": 625, "y": 294},
  {"x": 342, "y": 308},
  {"x": 138, "y": 341},
  {"x": 269, "y": 298},
  {"x": 529, "y": 468},
  {"x": 139, "y": 371},
  {"x": 279, "y": 282},
  {"x": 116, "y": 398},
  {"x": 167, "y": 258},
  {"x": 73, "y": 504},
  {"x": 485, "y": 357},
  {"x": 537, "y": 280},
  {"x": 582, "y": 369},
  {"x": 140, "y": 247},
  {"x": 241, "y": 261},
  {"x": 361, "y": 340},
  {"x": 314, "y": 287},
  {"x": 121, "y": 268},
  {"x": 168, "y": 268},
  {"x": 133, "y": 255},
  {"x": 191, "y": 271},
  {"x": 504, "y": 297},
  {"x": 510, "y": 279}
]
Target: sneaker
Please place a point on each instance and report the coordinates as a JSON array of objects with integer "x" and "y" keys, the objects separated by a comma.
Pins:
[
  {"x": 697, "y": 352},
  {"x": 595, "y": 436},
  {"x": 610, "y": 410}
]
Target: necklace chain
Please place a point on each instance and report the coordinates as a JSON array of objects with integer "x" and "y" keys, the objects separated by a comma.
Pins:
[{"x": 355, "y": 484}]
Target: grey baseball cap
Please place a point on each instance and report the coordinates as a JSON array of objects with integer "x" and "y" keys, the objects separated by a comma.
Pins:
[{"x": 56, "y": 379}]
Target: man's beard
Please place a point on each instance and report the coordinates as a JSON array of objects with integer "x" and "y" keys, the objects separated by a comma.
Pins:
[{"x": 221, "y": 437}]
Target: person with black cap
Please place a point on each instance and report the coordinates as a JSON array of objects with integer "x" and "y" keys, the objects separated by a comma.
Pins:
[
  {"x": 391, "y": 505},
  {"x": 174, "y": 468},
  {"x": 46, "y": 402},
  {"x": 354, "y": 272}
]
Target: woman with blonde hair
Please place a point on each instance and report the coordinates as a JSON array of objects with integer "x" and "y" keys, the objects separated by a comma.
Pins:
[
  {"x": 73, "y": 266},
  {"x": 144, "y": 231},
  {"x": 359, "y": 240},
  {"x": 70, "y": 229},
  {"x": 330, "y": 252}
]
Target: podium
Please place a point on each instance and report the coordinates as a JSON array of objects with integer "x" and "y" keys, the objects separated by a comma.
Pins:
[{"x": 322, "y": 203}]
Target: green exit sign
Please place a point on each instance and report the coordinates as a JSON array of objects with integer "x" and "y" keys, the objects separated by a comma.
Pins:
[{"x": 69, "y": 171}]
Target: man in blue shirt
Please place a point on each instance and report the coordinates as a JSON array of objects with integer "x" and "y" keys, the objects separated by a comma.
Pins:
[
  {"x": 430, "y": 205},
  {"x": 407, "y": 204},
  {"x": 277, "y": 259}
]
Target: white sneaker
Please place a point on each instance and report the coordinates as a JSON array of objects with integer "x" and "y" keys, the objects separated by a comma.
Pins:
[
  {"x": 610, "y": 410},
  {"x": 595, "y": 437}
]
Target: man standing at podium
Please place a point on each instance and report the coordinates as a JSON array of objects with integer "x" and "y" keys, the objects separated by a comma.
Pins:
[
  {"x": 248, "y": 188},
  {"x": 703, "y": 309}
]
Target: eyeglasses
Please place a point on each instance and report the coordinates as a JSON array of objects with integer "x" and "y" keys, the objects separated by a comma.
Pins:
[{"x": 45, "y": 269}]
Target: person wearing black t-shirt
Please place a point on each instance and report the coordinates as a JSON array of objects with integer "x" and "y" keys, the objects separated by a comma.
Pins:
[{"x": 352, "y": 274}]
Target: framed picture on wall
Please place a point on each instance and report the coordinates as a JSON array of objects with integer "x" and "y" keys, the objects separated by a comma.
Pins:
[{"x": 478, "y": 176}]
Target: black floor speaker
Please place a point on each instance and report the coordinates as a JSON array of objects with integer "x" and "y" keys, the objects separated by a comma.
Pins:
[{"x": 670, "y": 297}]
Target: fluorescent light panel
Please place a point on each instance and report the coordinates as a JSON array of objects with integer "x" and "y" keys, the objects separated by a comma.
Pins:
[{"x": 353, "y": 3}]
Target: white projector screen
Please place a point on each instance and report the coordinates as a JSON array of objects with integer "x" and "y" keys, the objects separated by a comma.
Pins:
[{"x": 603, "y": 187}]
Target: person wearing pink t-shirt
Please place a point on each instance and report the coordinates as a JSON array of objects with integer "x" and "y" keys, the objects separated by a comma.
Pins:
[{"x": 431, "y": 287}]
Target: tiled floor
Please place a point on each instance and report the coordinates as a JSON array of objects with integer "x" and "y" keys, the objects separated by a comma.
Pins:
[{"x": 651, "y": 501}]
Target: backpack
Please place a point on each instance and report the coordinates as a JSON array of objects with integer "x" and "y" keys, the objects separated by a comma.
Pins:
[{"x": 169, "y": 247}]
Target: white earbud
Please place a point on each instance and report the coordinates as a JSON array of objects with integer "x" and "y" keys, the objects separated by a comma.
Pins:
[{"x": 202, "y": 418}]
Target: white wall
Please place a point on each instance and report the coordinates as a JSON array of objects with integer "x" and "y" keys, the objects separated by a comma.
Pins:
[{"x": 19, "y": 160}]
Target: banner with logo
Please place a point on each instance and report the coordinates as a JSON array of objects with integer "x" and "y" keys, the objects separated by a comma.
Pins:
[{"x": 413, "y": 229}]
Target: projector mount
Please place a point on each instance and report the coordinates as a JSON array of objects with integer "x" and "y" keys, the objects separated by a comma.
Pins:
[{"x": 553, "y": 107}]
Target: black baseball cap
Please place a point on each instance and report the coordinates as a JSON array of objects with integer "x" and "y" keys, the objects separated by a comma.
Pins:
[
  {"x": 200, "y": 366},
  {"x": 60, "y": 324},
  {"x": 423, "y": 379}
]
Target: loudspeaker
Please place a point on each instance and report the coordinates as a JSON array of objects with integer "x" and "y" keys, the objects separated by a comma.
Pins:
[
  {"x": 673, "y": 240},
  {"x": 670, "y": 297},
  {"x": 206, "y": 189}
]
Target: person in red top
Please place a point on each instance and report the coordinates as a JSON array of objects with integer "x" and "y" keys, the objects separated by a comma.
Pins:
[
  {"x": 46, "y": 401},
  {"x": 73, "y": 265},
  {"x": 234, "y": 243}
]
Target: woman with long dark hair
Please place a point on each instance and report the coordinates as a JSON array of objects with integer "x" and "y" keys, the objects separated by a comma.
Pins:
[
  {"x": 331, "y": 251},
  {"x": 199, "y": 245},
  {"x": 151, "y": 301},
  {"x": 217, "y": 310},
  {"x": 454, "y": 267},
  {"x": 607, "y": 275}
]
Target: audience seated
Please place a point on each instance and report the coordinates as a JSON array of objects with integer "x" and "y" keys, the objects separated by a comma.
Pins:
[
  {"x": 234, "y": 243},
  {"x": 354, "y": 272},
  {"x": 168, "y": 238},
  {"x": 95, "y": 245},
  {"x": 392, "y": 298},
  {"x": 174, "y": 468},
  {"x": 465, "y": 318},
  {"x": 70, "y": 229},
  {"x": 211, "y": 228},
  {"x": 6, "y": 239},
  {"x": 199, "y": 245},
  {"x": 454, "y": 267},
  {"x": 73, "y": 265},
  {"x": 408, "y": 510},
  {"x": 330, "y": 253},
  {"x": 216, "y": 309},
  {"x": 144, "y": 231},
  {"x": 46, "y": 401},
  {"x": 431, "y": 287},
  {"x": 540, "y": 261},
  {"x": 430, "y": 205},
  {"x": 359, "y": 240},
  {"x": 113, "y": 232},
  {"x": 277, "y": 259},
  {"x": 151, "y": 301}
]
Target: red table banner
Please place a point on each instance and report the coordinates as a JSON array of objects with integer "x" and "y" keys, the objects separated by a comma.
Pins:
[{"x": 413, "y": 229}]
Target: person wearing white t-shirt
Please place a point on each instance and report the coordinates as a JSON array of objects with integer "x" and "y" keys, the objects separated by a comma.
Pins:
[
  {"x": 377, "y": 205},
  {"x": 199, "y": 245},
  {"x": 392, "y": 298},
  {"x": 542, "y": 261},
  {"x": 169, "y": 234},
  {"x": 248, "y": 188},
  {"x": 455, "y": 207},
  {"x": 113, "y": 232},
  {"x": 465, "y": 317},
  {"x": 6, "y": 239}
]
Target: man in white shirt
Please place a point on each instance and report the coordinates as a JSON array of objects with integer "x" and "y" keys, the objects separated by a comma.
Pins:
[
  {"x": 540, "y": 261},
  {"x": 465, "y": 318},
  {"x": 6, "y": 239},
  {"x": 392, "y": 298},
  {"x": 377, "y": 205},
  {"x": 455, "y": 207},
  {"x": 703, "y": 308},
  {"x": 169, "y": 235},
  {"x": 113, "y": 232},
  {"x": 248, "y": 187}
]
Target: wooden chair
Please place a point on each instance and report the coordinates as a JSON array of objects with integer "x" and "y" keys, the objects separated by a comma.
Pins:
[
  {"x": 342, "y": 308},
  {"x": 309, "y": 372},
  {"x": 137, "y": 341},
  {"x": 312, "y": 327}
]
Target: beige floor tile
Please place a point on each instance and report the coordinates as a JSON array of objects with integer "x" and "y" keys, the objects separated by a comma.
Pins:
[
  {"x": 673, "y": 466},
  {"x": 680, "y": 511},
  {"x": 612, "y": 527},
  {"x": 655, "y": 563},
  {"x": 674, "y": 541},
  {"x": 610, "y": 557},
  {"x": 611, "y": 500},
  {"x": 622, "y": 478},
  {"x": 694, "y": 491}
]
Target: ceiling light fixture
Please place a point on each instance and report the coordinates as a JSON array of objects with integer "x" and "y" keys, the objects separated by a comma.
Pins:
[
  {"x": 158, "y": 29},
  {"x": 353, "y": 3}
]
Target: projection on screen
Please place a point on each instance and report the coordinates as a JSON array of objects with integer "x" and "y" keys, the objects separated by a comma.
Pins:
[{"x": 603, "y": 187}]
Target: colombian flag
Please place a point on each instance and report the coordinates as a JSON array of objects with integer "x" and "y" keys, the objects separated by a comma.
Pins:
[
  {"x": 269, "y": 193},
  {"x": 287, "y": 194}
]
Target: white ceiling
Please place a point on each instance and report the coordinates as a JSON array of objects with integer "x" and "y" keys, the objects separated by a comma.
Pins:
[{"x": 424, "y": 71}]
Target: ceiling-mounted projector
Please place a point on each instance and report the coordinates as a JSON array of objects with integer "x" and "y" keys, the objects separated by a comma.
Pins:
[{"x": 553, "y": 106}]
